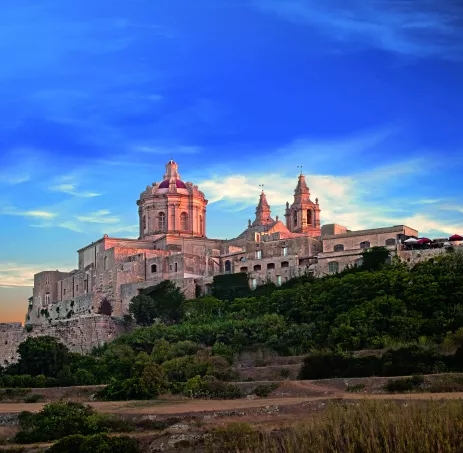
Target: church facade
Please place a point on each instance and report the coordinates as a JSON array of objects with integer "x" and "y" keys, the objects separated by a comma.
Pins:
[{"x": 173, "y": 244}]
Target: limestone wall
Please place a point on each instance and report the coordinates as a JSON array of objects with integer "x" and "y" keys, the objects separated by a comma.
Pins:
[{"x": 78, "y": 334}]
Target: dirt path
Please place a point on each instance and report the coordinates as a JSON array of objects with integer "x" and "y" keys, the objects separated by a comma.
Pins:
[{"x": 160, "y": 407}]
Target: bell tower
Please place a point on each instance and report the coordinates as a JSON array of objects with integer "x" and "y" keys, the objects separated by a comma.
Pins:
[
  {"x": 263, "y": 212},
  {"x": 303, "y": 216}
]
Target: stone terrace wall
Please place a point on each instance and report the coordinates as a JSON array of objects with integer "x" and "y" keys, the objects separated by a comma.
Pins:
[
  {"x": 11, "y": 335},
  {"x": 78, "y": 334}
]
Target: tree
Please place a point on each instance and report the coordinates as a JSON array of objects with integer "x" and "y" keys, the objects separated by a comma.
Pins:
[
  {"x": 105, "y": 307},
  {"x": 374, "y": 258},
  {"x": 163, "y": 301},
  {"x": 42, "y": 355}
]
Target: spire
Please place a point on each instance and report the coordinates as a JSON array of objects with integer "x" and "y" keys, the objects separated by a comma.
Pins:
[
  {"x": 301, "y": 188},
  {"x": 263, "y": 211},
  {"x": 171, "y": 171}
]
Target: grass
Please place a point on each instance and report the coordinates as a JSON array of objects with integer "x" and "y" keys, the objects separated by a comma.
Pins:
[{"x": 364, "y": 427}]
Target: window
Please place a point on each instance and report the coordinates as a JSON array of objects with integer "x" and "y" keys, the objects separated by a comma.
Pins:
[
  {"x": 309, "y": 217},
  {"x": 285, "y": 251},
  {"x": 258, "y": 254},
  {"x": 86, "y": 285},
  {"x": 201, "y": 228},
  {"x": 285, "y": 264},
  {"x": 278, "y": 280},
  {"x": 176, "y": 267},
  {"x": 244, "y": 269},
  {"x": 243, "y": 259},
  {"x": 228, "y": 266},
  {"x": 77, "y": 288},
  {"x": 339, "y": 248},
  {"x": 47, "y": 298},
  {"x": 101, "y": 279},
  {"x": 390, "y": 241},
  {"x": 257, "y": 267},
  {"x": 295, "y": 218},
  {"x": 162, "y": 221},
  {"x": 64, "y": 291},
  {"x": 105, "y": 263},
  {"x": 110, "y": 277},
  {"x": 254, "y": 283},
  {"x": 365, "y": 245},
  {"x": 333, "y": 267},
  {"x": 184, "y": 221},
  {"x": 170, "y": 267},
  {"x": 144, "y": 223},
  {"x": 154, "y": 268},
  {"x": 270, "y": 266}
]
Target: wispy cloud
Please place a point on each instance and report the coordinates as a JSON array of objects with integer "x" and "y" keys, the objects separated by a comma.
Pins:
[
  {"x": 418, "y": 28},
  {"x": 166, "y": 150},
  {"x": 17, "y": 274},
  {"x": 31, "y": 213},
  {"x": 101, "y": 216},
  {"x": 72, "y": 189}
]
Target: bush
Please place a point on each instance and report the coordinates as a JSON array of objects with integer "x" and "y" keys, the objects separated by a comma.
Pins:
[
  {"x": 265, "y": 390},
  {"x": 285, "y": 373},
  {"x": 404, "y": 385},
  {"x": 34, "y": 398},
  {"x": 355, "y": 388},
  {"x": 57, "y": 420},
  {"x": 98, "y": 443},
  {"x": 210, "y": 387}
]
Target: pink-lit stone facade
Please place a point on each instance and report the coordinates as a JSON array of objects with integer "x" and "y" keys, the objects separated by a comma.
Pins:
[{"x": 173, "y": 245}]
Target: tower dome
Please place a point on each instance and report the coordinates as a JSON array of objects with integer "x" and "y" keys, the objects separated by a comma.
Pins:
[{"x": 172, "y": 207}]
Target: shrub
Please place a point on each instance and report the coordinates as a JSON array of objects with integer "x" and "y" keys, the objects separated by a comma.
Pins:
[
  {"x": 265, "y": 390},
  {"x": 57, "y": 420},
  {"x": 446, "y": 384},
  {"x": 29, "y": 327},
  {"x": 285, "y": 373},
  {"x": 355, "y": 388},
  {"x": 210, "y": 387},
  {"x": 405, "y": 384},
  {"x": 98, "y": 443},
  {"x": 34, "y": 398}
]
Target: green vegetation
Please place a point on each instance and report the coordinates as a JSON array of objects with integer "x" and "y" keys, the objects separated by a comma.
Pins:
[
  {"x": 414, "y": 315},
  {"x": 361, "y": 427},
  {"x": 58, "y": 420},
  {"x": 405, "y": 384},
  {"x": 98, "y": 443}
]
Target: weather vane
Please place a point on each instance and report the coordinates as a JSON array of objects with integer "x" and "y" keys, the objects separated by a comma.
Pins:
[
  {"x": 300, "y": 167},
  {"x": 262, "y": 186}
]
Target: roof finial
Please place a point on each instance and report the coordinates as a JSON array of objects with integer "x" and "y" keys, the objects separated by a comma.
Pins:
[
  {"x": 300, "y": 167},
  {"x": 261, "y": 186}
]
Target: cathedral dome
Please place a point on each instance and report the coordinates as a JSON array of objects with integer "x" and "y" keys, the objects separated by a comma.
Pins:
[{"x": 165, "y": 184}]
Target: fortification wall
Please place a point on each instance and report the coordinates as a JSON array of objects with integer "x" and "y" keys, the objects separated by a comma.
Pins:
[{"x": 78, "y": 334}]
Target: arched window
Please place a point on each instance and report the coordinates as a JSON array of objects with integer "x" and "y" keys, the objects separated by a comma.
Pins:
[
  {"x": 184, "y": 221},
  {"x": 390, "y": 241},
  {"x": 154, "y": 268},
  {"x": 365, "y": 245},
  {"x": 227, "y": 266},
  {"x": 257, "y": 267},
  {"x": 162, "y": 221},
  {"x": 284, "y": 264},
  {"x": 309, "y": 217},
  {"x": 339, "y": 248},
  {"x": 243, "y": 259},
  {"x": 333, "y": 267},
  {"x": 144, "y": 223},
  {"x": 244, "y": 269},
  {"x": 295, "y": 218},
  {"x": 270, "y": 266},
  {"x": 201, "y": 226}
]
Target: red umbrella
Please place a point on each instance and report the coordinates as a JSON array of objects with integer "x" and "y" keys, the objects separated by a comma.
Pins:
[
  {"x": 456, "y": 237},
  {"x": 424, "y": 241}
]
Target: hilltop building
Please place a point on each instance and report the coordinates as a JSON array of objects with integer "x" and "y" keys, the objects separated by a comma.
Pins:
[{"x": 173, "y": 244}]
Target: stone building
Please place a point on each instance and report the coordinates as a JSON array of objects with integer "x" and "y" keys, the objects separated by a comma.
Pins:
[{"x": 173, "y": 245}]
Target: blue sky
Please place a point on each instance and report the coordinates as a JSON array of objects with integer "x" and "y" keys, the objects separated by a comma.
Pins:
[{"x": 366, "y": 95}]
